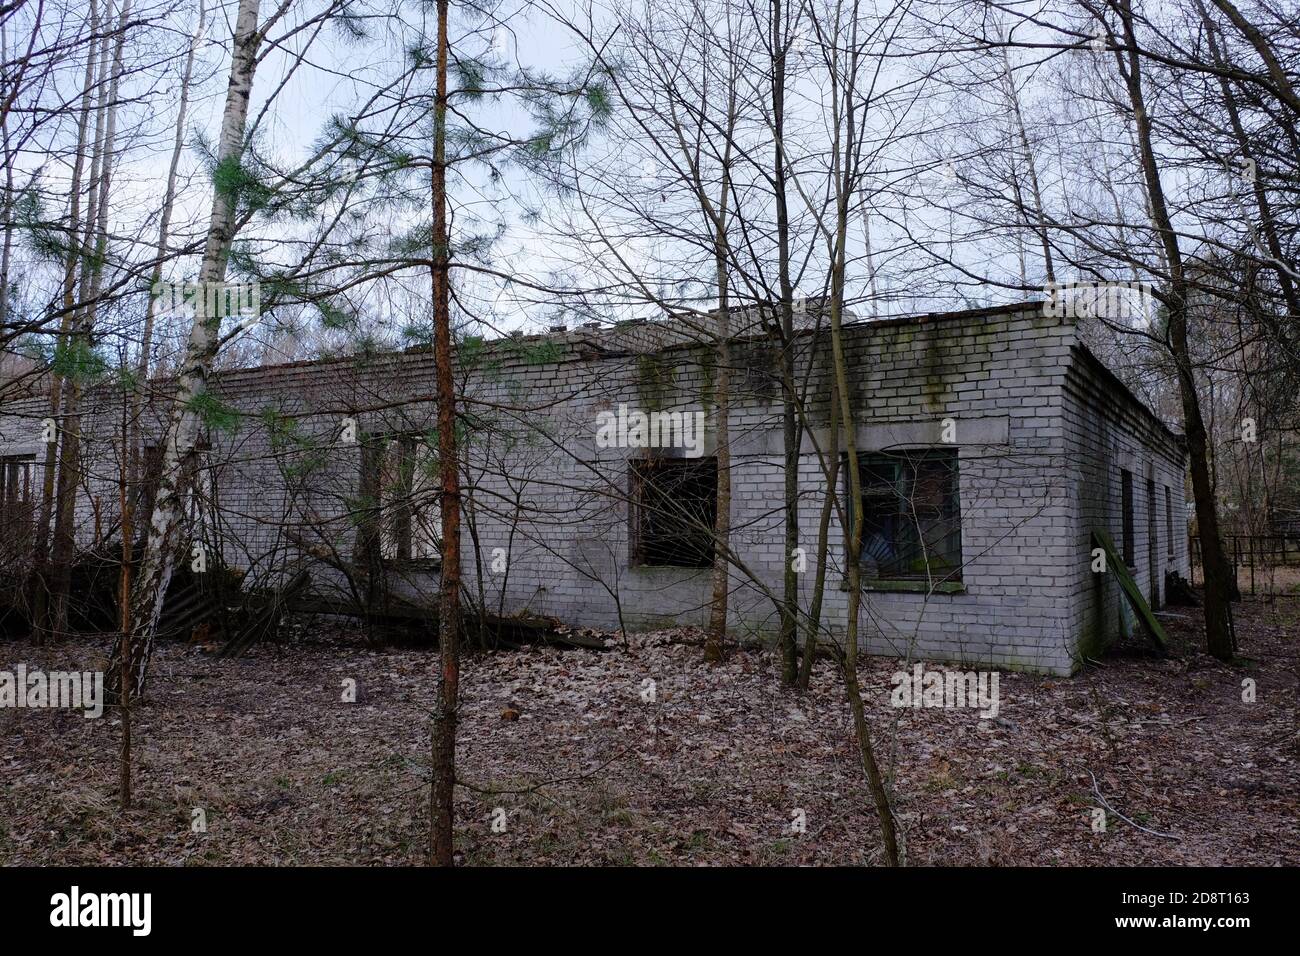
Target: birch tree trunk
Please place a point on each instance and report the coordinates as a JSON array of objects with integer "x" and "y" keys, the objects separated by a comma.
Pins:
[{"x": 159, "y": 558}]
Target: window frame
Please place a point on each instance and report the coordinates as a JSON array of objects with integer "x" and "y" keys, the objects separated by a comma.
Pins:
[
  {"x": 947, "y": 573},
  {"x": 391, "y": 522},
  {"x": 18, "y": 496},
  {"x": 638, "y": 556},
  {"x": 1169, "y": 520},
  {"x": 1127, "y": 543}
]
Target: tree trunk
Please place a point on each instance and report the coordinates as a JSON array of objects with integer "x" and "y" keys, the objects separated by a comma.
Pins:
[
  {"x": 717, "y": 631},
  {"x": 722, "y": 399},
  {"x": 852, "y": 689},
  {"x": 165, "y": 526},
  {"x": 1220, "y": 577},
  {"x": 1040, "y": 216},
  {"x": 92, "y": 274},
  {"x": 75, "y": 345},
  {"x": 124, "y": 608},
  {"x": 442, "y": 805},
  {"x": 1276, "y": 72},
  {"x": 789, "y": 417},
  {"x": 41, "y": 563},
  {"x": 844, "y": 168},
  {"x": 1266, "y": 224},
  {"x": 823, "y": 546}
]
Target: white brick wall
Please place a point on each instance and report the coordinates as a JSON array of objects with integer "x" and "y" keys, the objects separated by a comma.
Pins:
[{"x": 1041, "y": 433}]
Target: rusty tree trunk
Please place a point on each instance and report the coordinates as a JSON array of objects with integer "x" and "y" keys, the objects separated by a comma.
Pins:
[{"x": 443, "y": 749}]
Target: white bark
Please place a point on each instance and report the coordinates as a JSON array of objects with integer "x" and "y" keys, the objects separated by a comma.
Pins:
[{"x": 159, "y": 559}]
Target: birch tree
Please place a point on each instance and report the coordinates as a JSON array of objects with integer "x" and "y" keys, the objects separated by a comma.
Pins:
[{"x": 163, "y": 543}]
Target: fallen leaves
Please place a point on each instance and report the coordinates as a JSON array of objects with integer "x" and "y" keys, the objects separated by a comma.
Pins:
[{"x": 709, "y": 766}]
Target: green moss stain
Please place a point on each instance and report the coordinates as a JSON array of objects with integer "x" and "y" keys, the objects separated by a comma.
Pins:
[
  {"x": 655, "y": 381},
  {"x": 1090, "y": 642},
  {"x": 936, "y": 369}
]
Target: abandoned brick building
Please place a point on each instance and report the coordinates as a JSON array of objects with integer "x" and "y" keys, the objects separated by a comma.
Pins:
[{"x": 993, "y": 445}]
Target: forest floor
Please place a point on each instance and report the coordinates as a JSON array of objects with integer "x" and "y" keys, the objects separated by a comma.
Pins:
[{"x": 564, "y": 753}]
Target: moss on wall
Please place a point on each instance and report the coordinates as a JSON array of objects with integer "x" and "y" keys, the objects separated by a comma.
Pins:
[
  {"x": 936, "y": 369},
  {"x": 655, "y": 381}
]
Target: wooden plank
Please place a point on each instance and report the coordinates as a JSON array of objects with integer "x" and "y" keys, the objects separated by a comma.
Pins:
[
  {"x": 524, "y": 629},
  {"x": 1131, "y": 591},
  {"x": 267, "y": 618},
  {"x": 394, "y": 610},
  {"x": 185, "y": 609}
]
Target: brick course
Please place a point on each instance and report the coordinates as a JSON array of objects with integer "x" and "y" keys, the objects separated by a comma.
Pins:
[{"x": 1042, "y": 431}]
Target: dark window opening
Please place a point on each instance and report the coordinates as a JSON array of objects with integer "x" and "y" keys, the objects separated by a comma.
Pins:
[
  {"x": 1153, "y": 543},
  {"x": 911, "y": 515},
  {"x": 17, "y": 499},
  {"x": 674, "y": 509},
  {"x": 1126, "y": 513},
  {"x": 400, "y": 518},
  {"x": 1169, "y": 518}
]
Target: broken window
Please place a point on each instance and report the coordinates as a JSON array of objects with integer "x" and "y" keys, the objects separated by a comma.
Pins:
[
  {"x": 1126, "y": 513},
  {"x": 17, "y": 498},
  {"x": 911, "y": 515},
  {"x": 399, "y": 487},
  {"x": 674, "y": 507}
]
